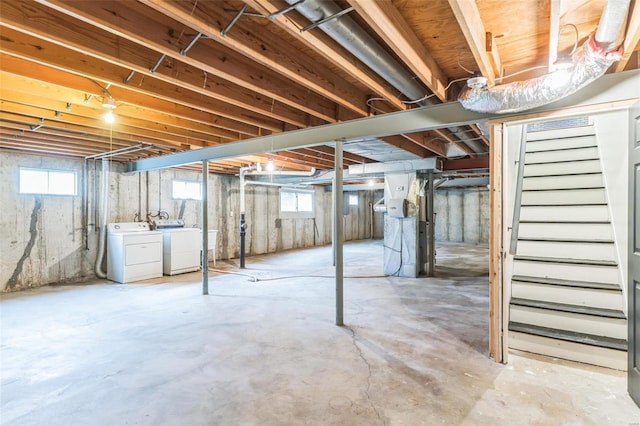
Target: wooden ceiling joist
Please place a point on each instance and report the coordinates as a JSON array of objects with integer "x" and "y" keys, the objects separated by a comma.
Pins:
[
  {"x": 74, "y": 35},
  {"x": 470, "y": 22},
  {"x": 328, "y": 48},
  {"x": 391, "y": 26},
  {"x": 258, "y": 46},
  {"x": 162, "y": 36}
]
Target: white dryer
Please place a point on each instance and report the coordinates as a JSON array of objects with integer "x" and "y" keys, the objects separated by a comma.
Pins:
[
  {"x": 134, "y": 252},
  {"x": 180, "y": 246}
]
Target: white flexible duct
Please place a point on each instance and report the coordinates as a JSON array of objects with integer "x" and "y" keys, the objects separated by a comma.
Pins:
[
  {"x": 590, "y": 62},
  {"x": 104, "y": 207}
]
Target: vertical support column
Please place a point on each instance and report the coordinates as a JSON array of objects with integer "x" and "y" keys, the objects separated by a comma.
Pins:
[
  {"x": 333, "y": 222},
  {"x": 431, "y": 232},
  {"x": 338, "y": 232},
  {"x": 205, "y": 227},
  {"x": 242, "y": 221}
]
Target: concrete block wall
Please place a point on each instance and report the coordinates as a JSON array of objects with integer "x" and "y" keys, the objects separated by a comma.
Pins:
[
  {"x": 41, "y": 238},
  {"x": 462, "y": 215}
]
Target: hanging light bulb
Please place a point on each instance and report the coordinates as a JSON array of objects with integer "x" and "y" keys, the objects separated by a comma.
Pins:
[
  {"x": 371, "y": 182},
  {"x": 109, "y": 117},
  {"x": 270, "y": 166}
]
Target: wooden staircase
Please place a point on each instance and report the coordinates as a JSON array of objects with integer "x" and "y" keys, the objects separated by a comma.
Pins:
[{"x": 566, "y": 298}]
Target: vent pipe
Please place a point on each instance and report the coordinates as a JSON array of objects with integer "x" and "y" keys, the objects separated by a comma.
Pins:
[
  {"x": 589, "y": 62},
  {"x": 352, "y": 37}
]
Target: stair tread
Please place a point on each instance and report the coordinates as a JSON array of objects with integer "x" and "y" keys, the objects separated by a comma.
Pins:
[
  {"x": 563, "y": 307},
  {"x": 570, "y": 222},
  {"x": 566, "y": 283},
  {"x": 561, "y": 161},
  {"x": 571, "y": 148},
  {"x": 581, "y": 188},
  {"x": 570, "y": 336},
  {"x": 564, "y": 204},
  {"x": 594, "y": 262},
  {"x": 566, "y": 240},
  {"x": 546, "y": 175}
]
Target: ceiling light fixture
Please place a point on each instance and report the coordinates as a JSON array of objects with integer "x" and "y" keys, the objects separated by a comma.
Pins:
[
  {"x": 271, "y": 166},
  {"x": 477, "y": 82},
  {"x": 109, "y": 102}
]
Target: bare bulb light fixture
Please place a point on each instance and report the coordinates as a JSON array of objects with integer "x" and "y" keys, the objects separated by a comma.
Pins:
[
  {"x": 110, "y": 104},
  {"x": 109, "y": 117},
  {"x": 270, "y": 166}
]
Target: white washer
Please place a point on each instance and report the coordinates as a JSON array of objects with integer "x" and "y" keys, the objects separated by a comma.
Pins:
[
  {"x": 180, "y": 247},
  {"x": 134, "y": 252}
]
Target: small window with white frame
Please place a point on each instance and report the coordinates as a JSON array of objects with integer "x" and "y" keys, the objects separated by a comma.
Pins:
[
  {"x": 353, "y": 199},
  {"x": 296, "y": 201},
  {"x": 186, "y": 190},
  {"x": 40, "y": 181}
]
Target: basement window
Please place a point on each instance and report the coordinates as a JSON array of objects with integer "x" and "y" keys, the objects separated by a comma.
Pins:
[
  {"x": 47, "y": 181},
  {"x": 296, "y": 201},
  {"x": 187, "y": 190}
]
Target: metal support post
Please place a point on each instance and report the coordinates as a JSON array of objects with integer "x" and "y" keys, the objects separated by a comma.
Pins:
[
  {"x": 243, "y": 170},
  {"x": 431, "y": 241},
  {"x": 333, "y": 221},
  {"x": 205, "y": 227},
  {"x": 242, "y": 234},
  {"x": 338, "y": 234}
]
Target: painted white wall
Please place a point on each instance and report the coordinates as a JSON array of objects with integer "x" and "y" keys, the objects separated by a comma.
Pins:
[{"x": 612, "y": 131}]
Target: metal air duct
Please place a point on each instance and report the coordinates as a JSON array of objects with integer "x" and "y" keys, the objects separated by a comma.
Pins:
[
  {"x": 590, "y": 62},
  {"x": 352, "y": 37}
]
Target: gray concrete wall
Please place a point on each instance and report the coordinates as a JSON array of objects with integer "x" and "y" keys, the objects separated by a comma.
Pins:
[
  {"x": 41, "y": 238},
  {"x": 462, "y": 215}
]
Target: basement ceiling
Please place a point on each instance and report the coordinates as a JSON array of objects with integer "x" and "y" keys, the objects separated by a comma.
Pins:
[{"x": 188, "y": 74}]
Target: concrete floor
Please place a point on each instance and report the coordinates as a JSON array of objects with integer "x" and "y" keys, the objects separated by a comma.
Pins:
[{"x": 414, "y": 352}]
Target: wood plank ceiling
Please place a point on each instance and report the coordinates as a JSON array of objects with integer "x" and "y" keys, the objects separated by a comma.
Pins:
[{"x": 179, "y": 83}]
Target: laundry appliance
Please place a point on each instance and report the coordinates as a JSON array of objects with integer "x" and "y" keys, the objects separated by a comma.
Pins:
[
  {"x": 180, "y": 246},
  {"x": 134, "y": 252}
]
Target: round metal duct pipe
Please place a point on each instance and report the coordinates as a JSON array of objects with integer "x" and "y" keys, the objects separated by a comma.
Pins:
[{"x": 352, "y": 37}]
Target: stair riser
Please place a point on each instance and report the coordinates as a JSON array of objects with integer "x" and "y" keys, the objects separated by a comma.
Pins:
[
  {"x": 562, "y": 182},
  {"x": 564, "y": 197},
  {"x": 568, "y": 321},
  {"x": 566, "y": 143},
  {"x": 594, "y": 231},
  {"x": 588, "y": 354},
  {"x": 591, "y": 166},
  {"x": 589, "y": 273},
  {"x": 555, "y": 156},
  {"x": 592, "y": 297},
  {"x": 593, "y": 251},
  {"x": 559, "y": 135},
  {"x": 565, "y": 213}
]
